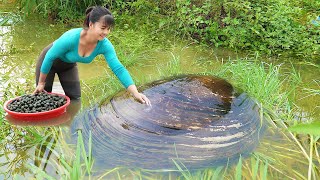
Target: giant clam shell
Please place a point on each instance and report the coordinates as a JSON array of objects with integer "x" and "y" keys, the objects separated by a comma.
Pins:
[{"x": 202, "y": 121}]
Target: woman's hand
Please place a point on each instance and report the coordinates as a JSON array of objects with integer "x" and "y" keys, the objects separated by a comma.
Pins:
[
  {"x": 41, "y": 83},
  {"x": 138, "y": 96},
  {"x": 142, "y": 98},
  {"x": 39, "y": 88}
]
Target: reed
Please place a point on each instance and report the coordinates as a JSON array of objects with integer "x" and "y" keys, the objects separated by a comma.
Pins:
[
  {"x": 78, "y": 167},
  {"x": 173, "y": 67},
  {"x": 313, "y": 91},
  {"x": 260, "y": 80}
]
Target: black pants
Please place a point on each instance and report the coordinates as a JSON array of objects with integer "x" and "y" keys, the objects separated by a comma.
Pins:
[{"x": 67, "y": 73}]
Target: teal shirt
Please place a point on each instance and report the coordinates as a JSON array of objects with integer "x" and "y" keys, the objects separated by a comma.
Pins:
[{"x": 66, "y": 46}]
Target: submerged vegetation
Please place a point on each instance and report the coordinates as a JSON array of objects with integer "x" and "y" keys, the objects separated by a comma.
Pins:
[{"x": 271, "y": 27}]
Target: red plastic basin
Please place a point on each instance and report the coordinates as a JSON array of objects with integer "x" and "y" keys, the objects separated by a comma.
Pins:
[{"x": 39, "y": 115}]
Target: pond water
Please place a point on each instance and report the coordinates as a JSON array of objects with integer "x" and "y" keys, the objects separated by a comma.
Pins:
[{"x": 21, "y": 43}]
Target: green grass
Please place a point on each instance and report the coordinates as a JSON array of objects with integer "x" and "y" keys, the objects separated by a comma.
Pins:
[
  {"x": 78, "y": 167},
  {"x": 262, "y": 81},
  {"x": 265, "y": 82}
]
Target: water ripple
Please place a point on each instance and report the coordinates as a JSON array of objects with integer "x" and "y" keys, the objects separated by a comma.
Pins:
[{"x": 200, "y": 120}]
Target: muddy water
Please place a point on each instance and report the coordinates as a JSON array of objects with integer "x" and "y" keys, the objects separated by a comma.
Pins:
[{"x": 21, "y": 42}]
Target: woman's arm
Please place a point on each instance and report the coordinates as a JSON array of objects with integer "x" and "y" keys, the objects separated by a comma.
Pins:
[
  {"x": 59, "y": 47},
  {"x": 122, "y": 73}
]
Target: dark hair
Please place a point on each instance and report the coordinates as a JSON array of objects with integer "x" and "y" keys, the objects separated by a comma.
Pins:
[{"x": 94, "y": 14}]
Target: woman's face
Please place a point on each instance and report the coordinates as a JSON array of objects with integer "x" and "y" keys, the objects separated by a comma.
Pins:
[{"x": 99, "y": 30}]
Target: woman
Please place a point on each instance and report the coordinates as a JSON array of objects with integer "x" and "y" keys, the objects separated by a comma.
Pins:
[{"x": 82, "y": 45}]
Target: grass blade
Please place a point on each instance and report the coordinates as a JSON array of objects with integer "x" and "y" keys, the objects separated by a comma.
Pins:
[{"x": 238, "y": 174}]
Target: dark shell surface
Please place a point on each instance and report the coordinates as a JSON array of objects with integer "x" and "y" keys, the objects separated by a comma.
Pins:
[{"x": 200, "y": 120}]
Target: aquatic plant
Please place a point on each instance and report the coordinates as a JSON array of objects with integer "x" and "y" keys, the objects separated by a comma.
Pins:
[
  {"x": 16, "y": 142},
  {"x": 54, "y": 10},
  {"x": 313, "y": 130},
  {"x": 312, "y": 91},
  {"x": 78, "y": 167},
  {"x": 173, "y": 67},
  {"x": 263, "y": 81}
]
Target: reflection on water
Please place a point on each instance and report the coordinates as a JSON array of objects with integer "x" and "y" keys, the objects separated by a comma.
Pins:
[
  {"x": 5, "y": 42},
  {"x": 200, "y": 120}
]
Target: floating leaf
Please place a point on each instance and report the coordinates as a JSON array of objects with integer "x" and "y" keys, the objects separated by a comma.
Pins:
[{"x": 312, "y": 128}]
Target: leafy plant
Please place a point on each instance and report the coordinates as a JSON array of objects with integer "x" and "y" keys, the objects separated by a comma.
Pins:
[
  {"x": 311, "y": 129},
  {"x": 274, "y": 27},
  {"x": 268, "y": 26},
  {"x": 58, "y": 9}
]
